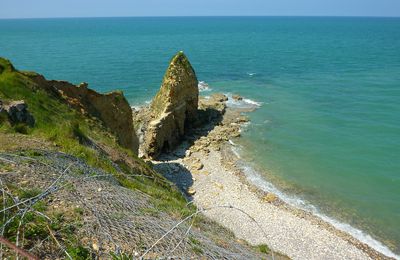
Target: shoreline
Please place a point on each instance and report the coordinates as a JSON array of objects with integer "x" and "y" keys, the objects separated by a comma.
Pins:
[{"x": 213, "y": 177}]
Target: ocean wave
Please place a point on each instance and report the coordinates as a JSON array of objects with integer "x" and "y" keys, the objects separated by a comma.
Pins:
[
  {"x": 256, "y": 179},
  {"x": 141, "y": 105},
  {"x": 136, "y": 107},
  {"x": 203, "y": 86},
  {"x": 231, "y": 142},
  {"x": 252, "y": 102},
  {"x": 251, "y": 74},
  {"x": 243, "y": 103},
  {"x": 236, "y": 150}
]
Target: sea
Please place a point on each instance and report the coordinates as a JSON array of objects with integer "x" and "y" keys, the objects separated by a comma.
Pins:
[{"x": 326, "y": 132}]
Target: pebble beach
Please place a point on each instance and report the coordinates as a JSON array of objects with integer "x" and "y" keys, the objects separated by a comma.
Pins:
[{"x": 207, "y": 172}]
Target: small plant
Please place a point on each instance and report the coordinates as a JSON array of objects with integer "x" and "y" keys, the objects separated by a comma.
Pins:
[
  {"x": 21, "y": 128},
  {"x": 34, "y": 153},
  {"x": 121, "y": 256},
  {"x": 196, "y": 245},
  {"x": 197, "y": 250},
  {"x": 79, "y": 253},
  {"x": 26, "y": 194},
  {"x": 3, "y": 117},
  {"x": 78, "y": 133},
  {"x": 263, "y": 249},
  {"x": 194, "y": 241},
  {"x": 79, "y": 211}
]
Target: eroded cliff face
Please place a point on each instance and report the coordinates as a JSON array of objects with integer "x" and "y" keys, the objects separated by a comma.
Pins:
[
  {"x": 174, "y": 107},
  {"x": 111, "y": 108}
]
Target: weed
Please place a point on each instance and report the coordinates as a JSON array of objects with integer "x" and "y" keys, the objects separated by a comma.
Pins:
[
  {"x": 21, "y": 128},
  {"x": 79, "y": 253},
  {"x": 263, "y": 249},
  {"x": 121, "y": 256}
]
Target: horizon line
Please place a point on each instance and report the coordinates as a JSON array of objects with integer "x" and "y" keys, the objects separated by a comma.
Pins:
[{"x": 200, "y": 16}]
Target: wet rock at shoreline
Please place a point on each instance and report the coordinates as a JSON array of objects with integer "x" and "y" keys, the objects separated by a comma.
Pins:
[
  {"x": 216, "y": 102},
  {"x": 237, "y": 97}
]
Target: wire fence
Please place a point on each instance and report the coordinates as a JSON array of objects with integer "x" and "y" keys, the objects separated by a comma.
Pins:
[{"x": 118, "y": 221}]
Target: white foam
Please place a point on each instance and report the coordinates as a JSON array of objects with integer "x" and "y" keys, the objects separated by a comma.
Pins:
[
  {"x": 136, "y": 107},
  {"x": 252, "y": 102},
  {"x": 235, "y": 150},
  {"x": 243, "y": 103},
  {"x": 255, "y": 178},
  {"x": 203, "y": 86},
  {"x": 141, "y": 105},
  {"x": 231, "y": 142},
  {"x": 251, "y": 74}
]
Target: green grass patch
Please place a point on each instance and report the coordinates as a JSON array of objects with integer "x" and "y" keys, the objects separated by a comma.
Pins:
[
  {"x": 79, "y": 253},
  {"x": 263, "y": 249},
  {"x": 36, "y": 224}
]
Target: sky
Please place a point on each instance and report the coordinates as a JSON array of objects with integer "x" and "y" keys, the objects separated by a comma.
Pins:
[{"x": 113, "y": 8}]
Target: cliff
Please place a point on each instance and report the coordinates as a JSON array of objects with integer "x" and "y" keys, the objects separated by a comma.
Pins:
[
  {"x": 173, "y": 108},
  {"x": 111, "y": 108}
]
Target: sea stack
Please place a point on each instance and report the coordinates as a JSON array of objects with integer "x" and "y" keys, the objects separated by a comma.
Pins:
[{"x": 173, "y": 108}]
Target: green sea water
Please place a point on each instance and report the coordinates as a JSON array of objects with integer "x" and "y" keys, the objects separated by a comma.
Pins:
[{"x": 327, "y": 133}]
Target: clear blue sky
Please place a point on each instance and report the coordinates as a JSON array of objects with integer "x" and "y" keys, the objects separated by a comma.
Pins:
[{"x": 100, "y": 8}]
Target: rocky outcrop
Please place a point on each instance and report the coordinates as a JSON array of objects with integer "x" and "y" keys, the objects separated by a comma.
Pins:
[
  {"x": 215, "y": 102},
  {"x": 173, "y": 109},
  {"x": 111, "y": 108},
  {"x": 17, "y": 112}
]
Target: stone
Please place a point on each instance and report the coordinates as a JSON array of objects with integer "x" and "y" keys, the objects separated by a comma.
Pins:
[
  {"x": 236, "y": 134},
  {"x": 95, "y": 247},
  {"x": 191, "y": 191},
  {"x": 270, "y": 198},
  {"x": 237, "y": 97},
  {"x": 219, "y": 97},
  {"x": 18, "y": 113},
  {"x": 219, "y": 185},
  {"x": 205, "y": 172},
  {"x": 83, "y": 85},
  {"x": 216, "y": 102},
  {"x": 173, "y": 109},
  {"x": 242, "y": 119},
  {"x": 197, "y": 166}
]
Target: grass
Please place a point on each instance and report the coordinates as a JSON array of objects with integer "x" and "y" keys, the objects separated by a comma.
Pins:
[
  {"x": 121, "y": 256},
  {"x": 263, "y": 249},
  {"x": 36, "y": 227}
]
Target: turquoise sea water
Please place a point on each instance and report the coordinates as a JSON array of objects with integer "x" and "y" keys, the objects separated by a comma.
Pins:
[{"x": 328, "y": 129}]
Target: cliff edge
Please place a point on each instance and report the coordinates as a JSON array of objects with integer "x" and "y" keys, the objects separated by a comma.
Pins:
[{"x": 111, "y": 108}]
